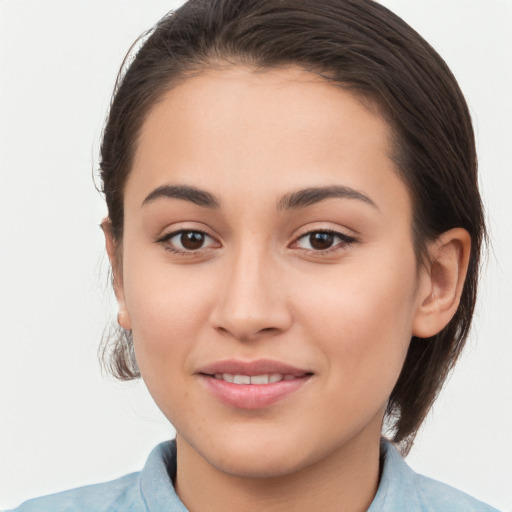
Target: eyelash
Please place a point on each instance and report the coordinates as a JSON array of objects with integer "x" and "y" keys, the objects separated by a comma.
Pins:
[
  {"x": 165, "y": 241},
  {"x": 344, "y": 241}
]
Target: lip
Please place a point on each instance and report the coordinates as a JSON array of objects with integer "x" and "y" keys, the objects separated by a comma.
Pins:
[
  {"x": 252, "y": 396},
  {"x": 257, "y": 367}
]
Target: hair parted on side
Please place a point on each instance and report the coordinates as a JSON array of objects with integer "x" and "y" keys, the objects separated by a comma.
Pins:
[{"x": 357, "y": 45}]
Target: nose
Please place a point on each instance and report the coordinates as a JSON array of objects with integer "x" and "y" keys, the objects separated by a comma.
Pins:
[{"x": 252, "y": 298}]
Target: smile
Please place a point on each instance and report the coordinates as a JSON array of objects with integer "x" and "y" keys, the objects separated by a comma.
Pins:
[
  {"x": 252, "y": 384},
  {"x": 254, "y": 379}
]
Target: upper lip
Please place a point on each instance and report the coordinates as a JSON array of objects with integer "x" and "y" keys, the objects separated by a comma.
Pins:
[{"x": 257, "y": 367}]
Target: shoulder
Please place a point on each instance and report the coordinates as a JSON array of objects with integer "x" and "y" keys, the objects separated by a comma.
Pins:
[
  {"x": 401, "y": 489},
  {"x": 151, "y": 489},
  {"x": 438, "y": 496},
  {"x": 118, "y": 495}
]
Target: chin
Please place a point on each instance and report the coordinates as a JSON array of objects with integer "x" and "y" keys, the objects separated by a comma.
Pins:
[
  {"x": 258, "y": 456},
  {"x": 263, "y": 465}
]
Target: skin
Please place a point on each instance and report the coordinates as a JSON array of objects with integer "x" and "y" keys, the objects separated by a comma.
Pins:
[{"x": 258, "y": 288}]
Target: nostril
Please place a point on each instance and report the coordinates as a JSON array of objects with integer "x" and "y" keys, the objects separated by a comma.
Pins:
[{"x": 269, "y": 329}]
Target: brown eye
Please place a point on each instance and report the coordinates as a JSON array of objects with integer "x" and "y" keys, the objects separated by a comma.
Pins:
[
  {"x": 321, "y": 241},
  {"x": 188, "y": 241},
  {"x": 192, "y": 240}
]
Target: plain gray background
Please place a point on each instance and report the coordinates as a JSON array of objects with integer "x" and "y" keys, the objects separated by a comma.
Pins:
[{"x": 61, "y": 423}]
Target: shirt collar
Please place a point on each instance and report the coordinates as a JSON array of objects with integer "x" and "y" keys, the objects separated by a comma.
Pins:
[
  {"x": 397, "y": 487},
  {"x": 156, "y": 480}
]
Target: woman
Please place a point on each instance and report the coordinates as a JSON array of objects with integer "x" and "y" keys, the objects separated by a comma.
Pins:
[{"x": 294, "y": 228}]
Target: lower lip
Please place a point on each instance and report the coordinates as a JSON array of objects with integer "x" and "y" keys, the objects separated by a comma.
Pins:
[{"x": 252, "y": 396}]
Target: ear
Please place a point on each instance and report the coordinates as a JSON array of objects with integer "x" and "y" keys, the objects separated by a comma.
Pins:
[
  {"x": 441, "y": 282},
  {"x": 114, "y": 255}
]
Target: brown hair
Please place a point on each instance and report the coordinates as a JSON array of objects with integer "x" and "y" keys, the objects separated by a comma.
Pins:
[{"x": 357, "y": 45}]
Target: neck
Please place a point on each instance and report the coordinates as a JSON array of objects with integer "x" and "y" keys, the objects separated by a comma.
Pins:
[{"x": 346, "y": 480}]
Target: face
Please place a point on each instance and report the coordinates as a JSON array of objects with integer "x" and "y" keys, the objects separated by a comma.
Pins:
[{"x": 268, "y": 269}]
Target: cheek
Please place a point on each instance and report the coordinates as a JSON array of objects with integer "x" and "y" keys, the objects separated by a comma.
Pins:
[
  {"x": 168, "y": 307},
  {"x": 168, "y": 310},
  {"x": 362, "y": 317}
]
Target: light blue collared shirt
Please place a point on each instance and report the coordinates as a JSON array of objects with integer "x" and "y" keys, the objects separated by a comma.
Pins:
[{"x": 151, "y": 490}]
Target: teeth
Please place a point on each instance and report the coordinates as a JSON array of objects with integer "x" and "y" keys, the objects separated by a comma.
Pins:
[
  {"x": 242, "y": 379},
  {"x": 259, "y": 379},
  {"x": 253, "y": 379}
]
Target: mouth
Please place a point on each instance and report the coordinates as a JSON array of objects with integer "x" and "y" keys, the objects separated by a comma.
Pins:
[
  {"x": 252, "y": 385},
  {"x": 258, "y": 380}
]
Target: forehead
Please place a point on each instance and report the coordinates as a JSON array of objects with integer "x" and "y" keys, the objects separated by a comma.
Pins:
[{"x": 245, "y": 130}]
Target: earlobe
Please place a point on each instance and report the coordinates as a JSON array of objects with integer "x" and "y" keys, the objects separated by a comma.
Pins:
[
  {"x": 442, "y": 282},
  {"x": 123, "y": 318}
]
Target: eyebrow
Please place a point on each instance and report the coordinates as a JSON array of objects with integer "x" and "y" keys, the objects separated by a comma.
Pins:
[
  {"x": 293, "y": 200},
  {"x": 185, "y": 192},
  {"x": 313, "y": 195}
]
